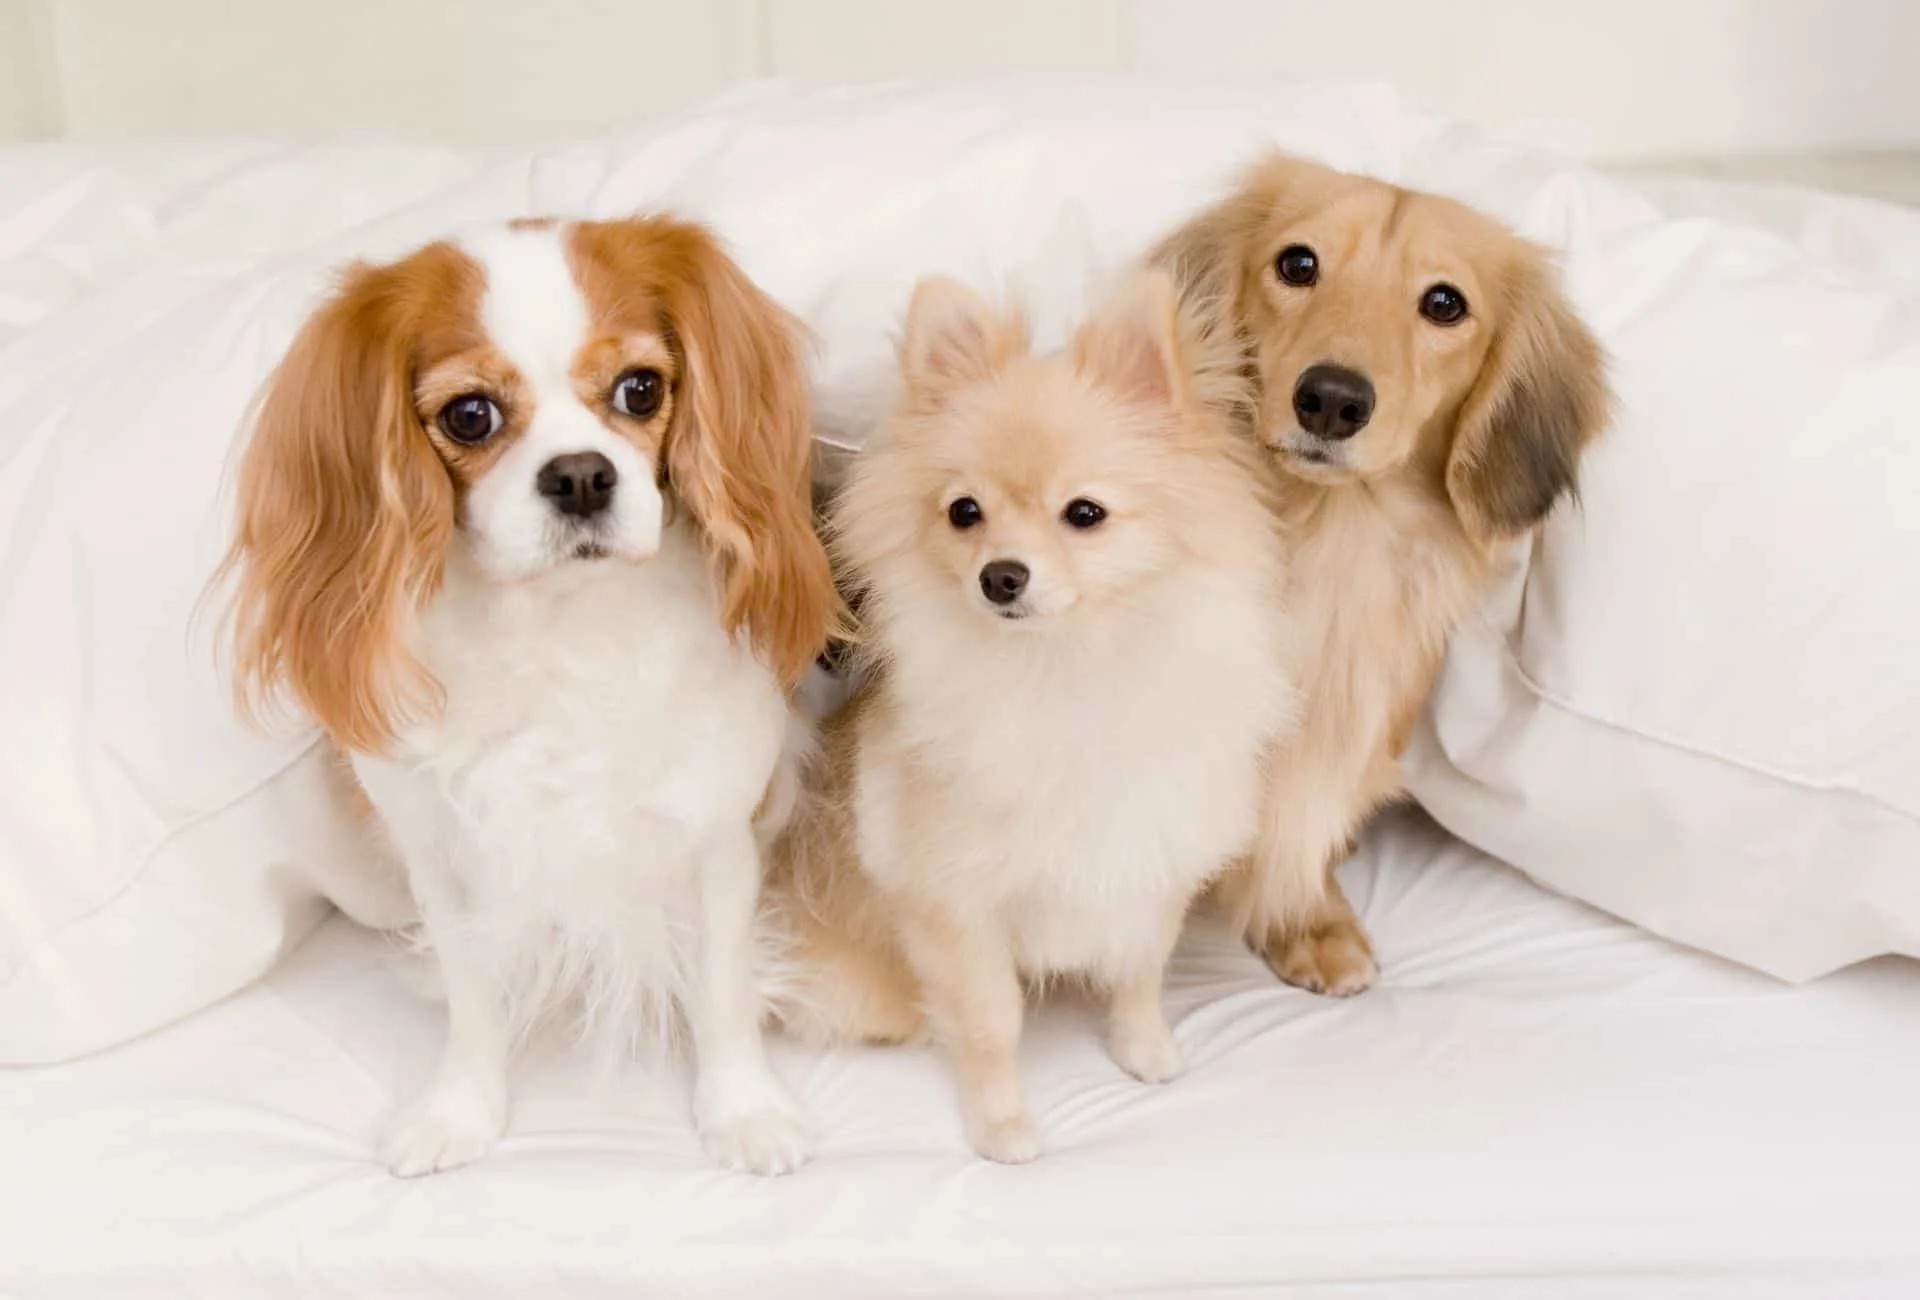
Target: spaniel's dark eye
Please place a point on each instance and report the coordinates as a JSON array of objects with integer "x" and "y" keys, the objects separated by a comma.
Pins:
[
  {"x": 1298, "y": 265},
  {"x": 1443, "y": 305},
  {"x": 470, "y": 419},
  {"x": 1082, "y": 513},
  {"x": 638, "y": 393},
  {"x": 965, "y": 513}
]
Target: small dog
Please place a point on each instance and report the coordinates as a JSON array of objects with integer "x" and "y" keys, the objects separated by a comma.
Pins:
[
  {"x": 1074, "y": 652},
  {"x": 1424, "y": 392},
  {"x": 525, "y": 525}
]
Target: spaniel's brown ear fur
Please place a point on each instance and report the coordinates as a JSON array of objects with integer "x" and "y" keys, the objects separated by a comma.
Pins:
[
  {"x": 739, "y": 452},
  {"x": 344, "y": 514},
  {"x": 1540, "y": 400}
]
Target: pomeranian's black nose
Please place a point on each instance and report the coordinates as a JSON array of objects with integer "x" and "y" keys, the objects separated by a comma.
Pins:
[
  {"x": 580, "y": 484},
  {"x": 1003, "y": 580},
  {"x": 1333, "y": 402}
]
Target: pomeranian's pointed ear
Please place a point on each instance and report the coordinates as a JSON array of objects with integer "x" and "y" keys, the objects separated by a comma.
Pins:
[
  {"x": 1133, "y": 345},
  {"x": 953, "y": 337}
]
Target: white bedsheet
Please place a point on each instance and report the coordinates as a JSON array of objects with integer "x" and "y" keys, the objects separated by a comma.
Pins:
[{"x": 1537, "y": 1101}]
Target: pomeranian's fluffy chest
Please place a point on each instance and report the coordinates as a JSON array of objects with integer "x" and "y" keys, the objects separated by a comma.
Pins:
[
  {"x": 597, "y": 728},
  {"x": 1068, "y": 786}
]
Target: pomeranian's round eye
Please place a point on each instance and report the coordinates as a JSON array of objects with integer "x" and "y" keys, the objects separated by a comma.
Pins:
[
  {"x": 638, "y": 393},
  {"x": 1082, "y": 513},
  {"x": 470, "y": 419},
  {"x": 1443, "y": 304},
  {"x": 1297, "y": 265},
  {"x": 965, "y": 513}
]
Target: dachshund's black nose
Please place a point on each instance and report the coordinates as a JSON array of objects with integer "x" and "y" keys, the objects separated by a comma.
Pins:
[
  {"x": 580, "y": 484},
  {"x": 1333, "y": 402},
  {"x": 1004, "y": 580}
]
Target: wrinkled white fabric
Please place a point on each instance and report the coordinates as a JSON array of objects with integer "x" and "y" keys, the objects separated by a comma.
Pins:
[{"x": 1537, "y": 1101}]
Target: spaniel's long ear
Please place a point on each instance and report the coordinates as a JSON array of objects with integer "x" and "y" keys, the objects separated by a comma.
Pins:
[
  {"x": 739, "y": 452},
  {"x": 1540, "y": 399},
  {"x": 345, "y": 512}
]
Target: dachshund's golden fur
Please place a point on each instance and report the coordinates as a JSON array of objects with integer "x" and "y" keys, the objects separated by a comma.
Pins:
[{"x": 1398, "y": 530}]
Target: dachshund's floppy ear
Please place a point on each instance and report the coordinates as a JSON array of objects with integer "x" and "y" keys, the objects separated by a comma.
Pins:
[
  {"x": 1211, "y": 255},
  {"x": 1540, "y": 399},
  {"x": 344, "y": 513},
  {"x": 739, "y": 452},
  {"x": 1204, "y": 254}
]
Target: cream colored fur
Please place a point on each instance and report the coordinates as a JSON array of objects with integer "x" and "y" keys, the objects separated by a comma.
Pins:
[{"x": 1036, "y": 790}]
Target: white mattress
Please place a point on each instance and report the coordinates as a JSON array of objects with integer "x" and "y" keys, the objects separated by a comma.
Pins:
[{"x": 1536, "y": 1100}]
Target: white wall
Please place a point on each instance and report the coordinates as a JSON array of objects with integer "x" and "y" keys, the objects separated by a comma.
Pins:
[
  {"x": 1622, "y": 78},
  {"x": 26, "y": 98}
]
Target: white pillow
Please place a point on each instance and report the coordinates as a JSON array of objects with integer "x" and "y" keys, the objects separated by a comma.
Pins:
[
  {"x": 156, "y": 855},
  {"x": 1702, "y": 711}
]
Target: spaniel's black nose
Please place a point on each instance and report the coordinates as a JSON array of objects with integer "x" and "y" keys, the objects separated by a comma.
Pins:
[{"x": 580, "y": 484}]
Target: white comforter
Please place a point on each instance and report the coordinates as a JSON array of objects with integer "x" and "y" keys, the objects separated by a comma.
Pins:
[{"x": 1537, "y": 1101}]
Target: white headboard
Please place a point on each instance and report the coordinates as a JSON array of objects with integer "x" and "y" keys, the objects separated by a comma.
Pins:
[{"x": 1613, "y": 79}]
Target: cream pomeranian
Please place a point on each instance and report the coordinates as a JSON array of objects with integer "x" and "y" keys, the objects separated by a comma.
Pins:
[{"x": 1072, "y": 669}]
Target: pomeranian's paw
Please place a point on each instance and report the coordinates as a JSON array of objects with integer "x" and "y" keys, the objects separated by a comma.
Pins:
[
  {"x": 1146, "y": 1051},
  {"x": 761, "y": 1132},
  {"x": 1333, "y": 958},
  {"x": 1010, "y": 1140},
  {"x": 444, "y": 1130}
]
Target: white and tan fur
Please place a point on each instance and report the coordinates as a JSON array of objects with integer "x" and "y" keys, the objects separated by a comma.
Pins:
[
  {"x": 1037, "y": 788},
  {"x": 1399, "y": 529},
  {"x": 565, "y": 694}
]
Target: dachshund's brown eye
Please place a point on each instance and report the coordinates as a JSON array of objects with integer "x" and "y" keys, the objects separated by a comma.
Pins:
[
  {"x": 1443, "y": 305},
  {"x": 1082, "y": 513},
  {"x": 965, "y": 513},
  {"x": 470, "y": 419},
  {"x": 1297, "y": 265},
  {"x": 638, "y": 393}
]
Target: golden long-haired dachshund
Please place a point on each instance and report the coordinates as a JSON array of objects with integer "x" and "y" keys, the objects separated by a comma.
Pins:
[{"x": 1424, "y": 391}]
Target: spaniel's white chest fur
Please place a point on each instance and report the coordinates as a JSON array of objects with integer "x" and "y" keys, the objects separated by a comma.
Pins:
[{"x": 599, "y": 732}]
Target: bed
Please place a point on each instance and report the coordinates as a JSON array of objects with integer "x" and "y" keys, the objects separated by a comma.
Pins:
[{"x": 1538, "y": 1099}]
